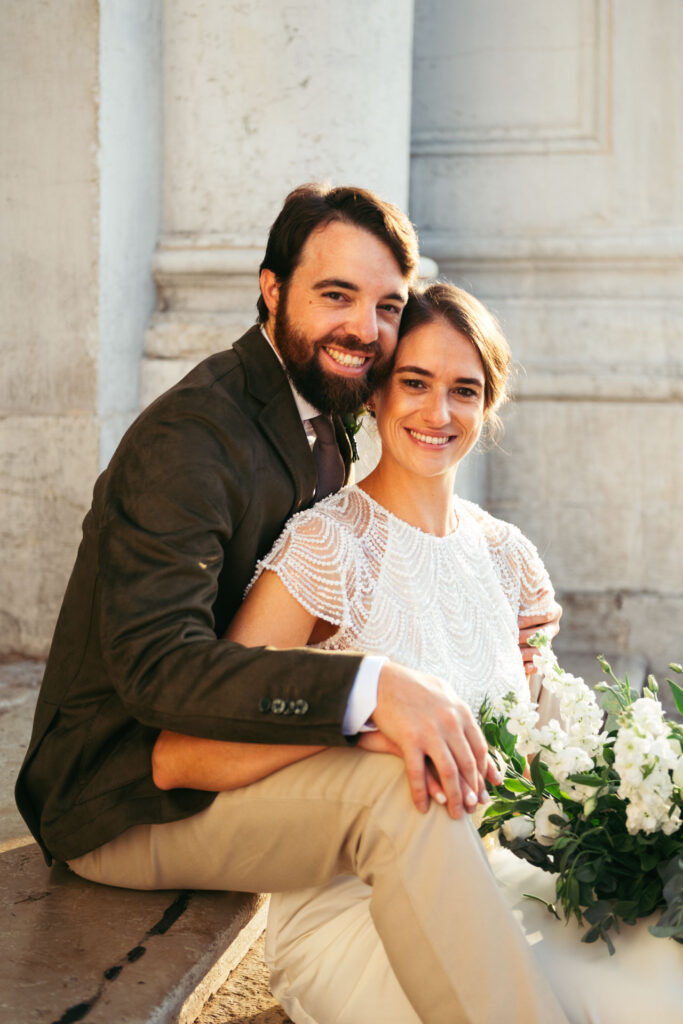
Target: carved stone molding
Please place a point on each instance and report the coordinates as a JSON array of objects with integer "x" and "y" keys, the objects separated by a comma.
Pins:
[{"x": 492, "y": 78}]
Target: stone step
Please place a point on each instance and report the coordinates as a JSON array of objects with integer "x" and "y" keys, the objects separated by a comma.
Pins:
[{"x": 74, "y": 951}]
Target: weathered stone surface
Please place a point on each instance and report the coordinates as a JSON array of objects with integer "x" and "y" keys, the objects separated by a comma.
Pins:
[
  {"x": 48, "y": 466},
  {"x": 19, "y": 682},
  {"x": 245, "y": 998},
  {"x": 80, "y": 951}
]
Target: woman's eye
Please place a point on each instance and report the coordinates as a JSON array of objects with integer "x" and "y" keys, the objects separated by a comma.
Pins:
[
  {"x": 467, "y": 392},
  {"x": 413, "y": 382}
]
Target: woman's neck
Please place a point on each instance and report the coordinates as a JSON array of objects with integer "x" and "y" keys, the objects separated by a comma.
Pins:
[{"x": 424, "y": 502}]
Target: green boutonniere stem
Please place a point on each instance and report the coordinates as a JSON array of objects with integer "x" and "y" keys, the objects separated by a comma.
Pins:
[{"x": 352, "y": 422}]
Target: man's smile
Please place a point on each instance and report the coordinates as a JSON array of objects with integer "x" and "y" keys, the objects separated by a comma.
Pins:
[{"x": 354, "y": 362}]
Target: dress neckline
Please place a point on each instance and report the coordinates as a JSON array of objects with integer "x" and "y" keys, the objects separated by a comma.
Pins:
[{"x": 409, "y": 526}]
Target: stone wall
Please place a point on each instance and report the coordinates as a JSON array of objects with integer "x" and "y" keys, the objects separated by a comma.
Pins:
[
  {"x": 547, "y": 179},
  {"x": 79, "y": 105},
  {"x": 49, "y": 438}
]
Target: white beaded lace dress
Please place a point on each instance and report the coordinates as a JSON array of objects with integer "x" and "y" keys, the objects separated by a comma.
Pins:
[{"x": 448, "y": 606}]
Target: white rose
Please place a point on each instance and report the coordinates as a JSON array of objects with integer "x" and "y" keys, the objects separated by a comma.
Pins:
[
  {"x": 546, "y": 830},
  {"x": 520, "y": 827}
]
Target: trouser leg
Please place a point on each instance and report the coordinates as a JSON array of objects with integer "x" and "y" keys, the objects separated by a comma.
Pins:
[{"x": 449, "y": 937}]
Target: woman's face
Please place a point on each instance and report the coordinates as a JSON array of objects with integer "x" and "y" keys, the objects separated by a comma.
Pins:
[{"x": 431, "y": 411}]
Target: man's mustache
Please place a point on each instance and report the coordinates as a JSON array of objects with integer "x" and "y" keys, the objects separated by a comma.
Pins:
[{"x": 351, "y": 343}]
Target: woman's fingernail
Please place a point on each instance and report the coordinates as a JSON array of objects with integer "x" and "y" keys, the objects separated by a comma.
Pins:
[
  {"x": 470, "y": 799},
  {"x": 484, "y": 797},
  {"x": 440, "y": 798}
]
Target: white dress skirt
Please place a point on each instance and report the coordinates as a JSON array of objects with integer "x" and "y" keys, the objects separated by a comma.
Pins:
[{"x": 448, "y": 606}]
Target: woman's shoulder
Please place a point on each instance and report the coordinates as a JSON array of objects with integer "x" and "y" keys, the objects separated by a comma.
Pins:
[
  {"x": 346, "y": 512},
  {"x": 497, "y": 532}
]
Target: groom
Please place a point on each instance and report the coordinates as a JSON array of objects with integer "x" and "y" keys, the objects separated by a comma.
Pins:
[{"x": 197, "y": 491}]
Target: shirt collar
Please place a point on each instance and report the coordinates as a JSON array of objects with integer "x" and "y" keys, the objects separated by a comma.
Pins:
[{"x": 306, "y": 410}]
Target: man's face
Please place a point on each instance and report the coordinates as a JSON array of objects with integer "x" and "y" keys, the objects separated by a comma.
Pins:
[{"x": 335, "y": 321}]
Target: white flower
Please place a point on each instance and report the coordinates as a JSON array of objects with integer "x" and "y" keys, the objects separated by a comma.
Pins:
[
  {"x": 678, "y": 773},
  {"x": 547, "y": 831},
  {"x": 647, "y": 714},
  {"x": 520, "y": 827}
]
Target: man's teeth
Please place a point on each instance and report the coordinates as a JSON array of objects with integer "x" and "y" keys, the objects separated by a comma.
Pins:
[
  {"x": 345, "y": 358},
  {"x": 429, "y": 438}
]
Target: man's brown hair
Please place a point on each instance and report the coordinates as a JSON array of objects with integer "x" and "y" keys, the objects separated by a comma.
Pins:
[{"x": 313, "y": 206}]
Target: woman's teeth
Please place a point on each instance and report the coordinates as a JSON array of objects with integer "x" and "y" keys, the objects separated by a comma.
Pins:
[
  {"x": 429, "y": 438},
  {"x": 345, "y": 358}
]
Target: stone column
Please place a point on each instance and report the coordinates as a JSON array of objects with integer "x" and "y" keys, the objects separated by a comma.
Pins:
[
  {"x": 258, "y": 98},
  {"x": 547, "y": 178}
]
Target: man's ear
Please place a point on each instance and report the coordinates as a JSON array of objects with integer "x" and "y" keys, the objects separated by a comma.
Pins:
[{"x": 270, "y": 290}]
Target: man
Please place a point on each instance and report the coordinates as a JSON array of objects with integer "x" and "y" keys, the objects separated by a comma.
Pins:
[{"x": 197, "y": 491}]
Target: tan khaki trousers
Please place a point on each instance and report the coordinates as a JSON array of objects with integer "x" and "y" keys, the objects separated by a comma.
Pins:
[{"x": 454, "y": 946}]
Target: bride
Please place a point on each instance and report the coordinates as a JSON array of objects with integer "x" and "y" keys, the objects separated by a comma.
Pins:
[{"x": 398, "y": 566}]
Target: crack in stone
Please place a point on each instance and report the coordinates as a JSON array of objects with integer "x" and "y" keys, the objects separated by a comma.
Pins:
[{"x": 175, "y": 910}]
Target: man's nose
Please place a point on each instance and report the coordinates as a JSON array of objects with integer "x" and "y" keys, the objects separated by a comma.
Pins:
[{"x": 363, "y": 324}]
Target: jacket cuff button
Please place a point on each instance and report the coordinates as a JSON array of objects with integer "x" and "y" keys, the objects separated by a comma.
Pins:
[
  {"x": 278, "y": 706},
  {"x": 300, "y": 707},
  {"x": 264, "y": 705}
]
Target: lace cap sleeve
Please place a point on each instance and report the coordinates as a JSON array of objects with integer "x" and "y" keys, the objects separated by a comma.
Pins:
[
  {"x": 519, "y": 566},
  {"x": 313, "y": 558}
]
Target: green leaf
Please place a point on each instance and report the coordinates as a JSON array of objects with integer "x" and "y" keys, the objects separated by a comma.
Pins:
[
  {"x": 677, "y": 692},
  {"x": 537, "y": 774},
  {"x": 586, "y": 779},
  {"x": 518, "y": 786}
]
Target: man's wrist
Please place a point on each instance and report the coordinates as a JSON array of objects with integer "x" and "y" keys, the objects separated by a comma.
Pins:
[{"x": 363, "y": 696}]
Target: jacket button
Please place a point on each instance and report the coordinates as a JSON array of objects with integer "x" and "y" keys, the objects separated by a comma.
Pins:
[
  {"x": 264, "y": 705},
  {"x": 300, "y": 707},
  {"x": 278, "y": 706}
]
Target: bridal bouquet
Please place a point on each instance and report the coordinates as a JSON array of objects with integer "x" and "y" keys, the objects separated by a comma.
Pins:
[{"x": 600, "y": 801}]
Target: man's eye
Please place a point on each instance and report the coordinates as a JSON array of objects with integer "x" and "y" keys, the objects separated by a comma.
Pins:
[
  {"x": 467, "y": 392},
  {"x": 390, "y": 307},
  {"x": 335, "y": 296}
]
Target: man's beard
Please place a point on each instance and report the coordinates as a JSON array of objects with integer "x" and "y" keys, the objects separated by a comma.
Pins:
[{"x": 329, "y": 392}]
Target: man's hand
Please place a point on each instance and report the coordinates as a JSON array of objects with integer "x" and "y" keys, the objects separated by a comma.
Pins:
[
  {"x": 530, "y": 624},
  {"x": 435, "y": 733}
]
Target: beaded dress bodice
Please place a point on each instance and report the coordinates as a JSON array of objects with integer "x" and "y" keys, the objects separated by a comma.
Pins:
[{"x": 445, "y": 605}]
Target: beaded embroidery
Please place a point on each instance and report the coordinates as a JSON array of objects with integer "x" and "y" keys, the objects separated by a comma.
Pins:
[{"x": 445, "y": 605}]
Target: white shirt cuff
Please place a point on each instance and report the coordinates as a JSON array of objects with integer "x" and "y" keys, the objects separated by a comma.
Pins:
[{"x": 363, "y": 696}]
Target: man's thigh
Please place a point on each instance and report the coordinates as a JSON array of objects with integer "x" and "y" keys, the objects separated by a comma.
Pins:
[{"x": 298, "y": 827}]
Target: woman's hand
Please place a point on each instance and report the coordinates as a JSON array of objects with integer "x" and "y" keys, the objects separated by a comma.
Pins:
[{"x": 530, "y": 624}]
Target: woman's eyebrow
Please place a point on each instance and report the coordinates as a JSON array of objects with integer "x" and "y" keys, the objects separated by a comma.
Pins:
[
  {"x": 472, "y": 381},
  {"x": 413, "y": 369}
]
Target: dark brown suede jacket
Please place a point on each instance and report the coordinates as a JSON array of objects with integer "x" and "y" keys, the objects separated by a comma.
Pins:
[{"x": 198, "y": 489}]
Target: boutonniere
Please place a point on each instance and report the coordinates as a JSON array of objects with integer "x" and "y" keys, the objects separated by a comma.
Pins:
[{"x": 352, "y": 424}]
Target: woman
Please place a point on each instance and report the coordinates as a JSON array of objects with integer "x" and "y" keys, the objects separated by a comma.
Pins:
[{"x": 398, "y": 566}]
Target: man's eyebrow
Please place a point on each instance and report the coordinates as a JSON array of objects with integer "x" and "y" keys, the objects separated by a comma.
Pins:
[
  {"x": 337, "y": 282},
  {"x": 473, "y": 381}
]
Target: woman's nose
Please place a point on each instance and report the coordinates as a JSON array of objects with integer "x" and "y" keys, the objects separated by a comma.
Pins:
[{"x": 435, "y": 410}]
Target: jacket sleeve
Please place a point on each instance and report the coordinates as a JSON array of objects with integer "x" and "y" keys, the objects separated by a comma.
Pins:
[{"x": 167, "y": 519}]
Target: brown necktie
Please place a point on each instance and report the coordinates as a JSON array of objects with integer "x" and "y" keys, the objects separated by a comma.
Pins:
[{"x": 328, "y": 461}]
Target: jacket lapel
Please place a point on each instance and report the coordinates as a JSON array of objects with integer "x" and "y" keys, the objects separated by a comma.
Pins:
[{"x": 279, "y": 417}]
